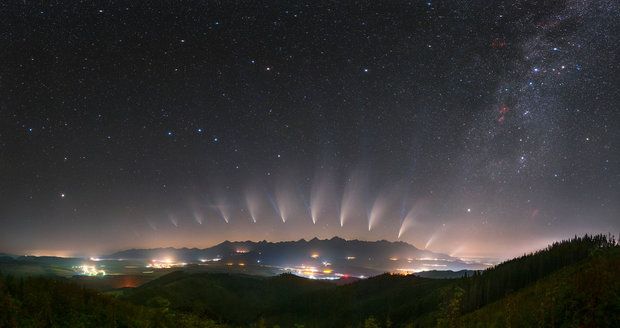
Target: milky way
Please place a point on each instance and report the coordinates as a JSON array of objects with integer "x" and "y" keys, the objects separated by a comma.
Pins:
[{"x": 475, "y": 129}]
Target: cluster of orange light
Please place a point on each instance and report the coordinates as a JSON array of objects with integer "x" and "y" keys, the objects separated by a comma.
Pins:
[
  {"x": 164, "y": 264},
  {"x": 403, "y": 272},
  {"x": 89, "y": 270}
]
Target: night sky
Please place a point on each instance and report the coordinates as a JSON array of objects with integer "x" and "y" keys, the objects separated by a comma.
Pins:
[{"x": 473, "y": 128}]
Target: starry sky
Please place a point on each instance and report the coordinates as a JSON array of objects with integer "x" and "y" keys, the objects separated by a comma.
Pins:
[{"x": 473, "y": 128}]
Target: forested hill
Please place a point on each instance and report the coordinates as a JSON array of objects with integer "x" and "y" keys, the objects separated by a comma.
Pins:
[
  {"x": 583, "y": 295},
  {"x": 56, "y": 302},
  {"x": 570, "y": 283},
  {"x": 574, "y": 283},
  {"x": 507, "y": 277}
]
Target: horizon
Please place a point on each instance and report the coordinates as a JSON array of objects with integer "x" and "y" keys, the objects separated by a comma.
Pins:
[{"x": 86, "y": 255}]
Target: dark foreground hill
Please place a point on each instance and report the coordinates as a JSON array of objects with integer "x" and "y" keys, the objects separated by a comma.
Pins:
[
  {"x": 54, "y": 302},
  {"x": 583, "y": 295},
  {"x": 573, "y": 283}
]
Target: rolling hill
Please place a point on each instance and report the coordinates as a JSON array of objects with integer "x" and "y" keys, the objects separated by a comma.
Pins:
[{"x": 573, "y": 283}]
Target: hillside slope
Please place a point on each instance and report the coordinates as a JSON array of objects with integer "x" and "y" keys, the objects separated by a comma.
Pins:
[
  {"x": 55, "y": 302},
  {"x": 574, "y": 283},
  {"x": 232, "y": 298},
  {"x": 582, "y": 295},
  {"x": 389, "y": 299}
]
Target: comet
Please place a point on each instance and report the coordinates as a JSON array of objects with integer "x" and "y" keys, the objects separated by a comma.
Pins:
[
  {"x": 418, "y": 209},
  {"x": 318, "y": 196},
  {"x": 432, "y": 239},
  {"x": 276, "y": 208},
  {"x": 376, "y": 212},
  {"x": 223, "y": 212},
  {"x": 173, "y": 220},
  {"x": 313, "y": 215},
  {"x": 457, "y": 251},
  {"x": 384, "y": 205},
  {"x": 349, "y": 195},
  {"x": 252, "y": 206},
  {"x": 404, "y": 226},
  {"x": 196, "y": 212},
  {"x": 403, "y": 217},
  {"x": 198, "y": 217},
  {"x": 282, "y": 209},
  {"x": 407, "y": 222},
  {"x": 373, "y": 214}
]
